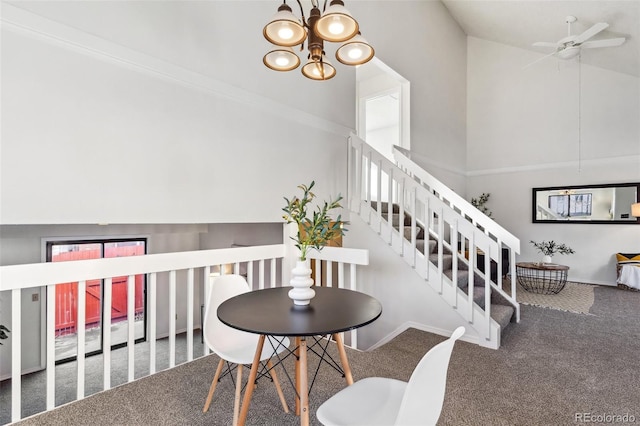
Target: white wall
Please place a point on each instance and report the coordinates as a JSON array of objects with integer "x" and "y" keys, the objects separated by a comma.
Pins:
[
  {"x": 161, "y": 112},
  {"x": 523, "y": 133},
  {"x": 94, "y": 132},
  {"x": 220, "y": 39}
]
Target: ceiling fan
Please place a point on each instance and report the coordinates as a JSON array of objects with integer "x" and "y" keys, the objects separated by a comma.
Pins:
[{"x": 570, "y": 46}]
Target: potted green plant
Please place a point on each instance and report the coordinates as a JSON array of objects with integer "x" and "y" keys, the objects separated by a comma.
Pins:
[
  {"x": 549, "y": 248},
  {"x": 314, "y": 230},
  {"x": 3, "y": 332},
  {"x": 480, "y": 203}
]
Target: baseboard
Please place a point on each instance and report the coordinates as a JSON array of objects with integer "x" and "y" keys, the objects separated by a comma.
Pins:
[
  {"x": 422, "y": 327},
  {"x": 589, "y": 281},
  {"x": 26, "y": 371}
]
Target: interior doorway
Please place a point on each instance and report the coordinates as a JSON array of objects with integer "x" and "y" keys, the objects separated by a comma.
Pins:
[{"x": 383, "y": 111}]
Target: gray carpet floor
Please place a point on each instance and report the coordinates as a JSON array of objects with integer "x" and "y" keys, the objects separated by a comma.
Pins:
[{"x": 552, "y": 366}]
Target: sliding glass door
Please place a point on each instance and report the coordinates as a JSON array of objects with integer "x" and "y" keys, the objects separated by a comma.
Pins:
[{"x": 67, "y": 296}]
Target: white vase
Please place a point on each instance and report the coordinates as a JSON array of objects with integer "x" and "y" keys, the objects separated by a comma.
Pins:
[
  {"x": 546, "y": 259},
  {"x": 301, "y": 281}
]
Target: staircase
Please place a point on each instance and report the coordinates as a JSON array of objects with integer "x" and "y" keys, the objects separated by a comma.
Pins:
[{"x": 440, "y": 235}]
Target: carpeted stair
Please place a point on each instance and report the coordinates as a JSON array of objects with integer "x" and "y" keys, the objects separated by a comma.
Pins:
[{"x": 501, "y": 311}]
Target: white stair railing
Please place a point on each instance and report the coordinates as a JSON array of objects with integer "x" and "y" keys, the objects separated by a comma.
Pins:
[
  {"x": 494, "y": 230},
  {"x": 269, "y": 259},
  {"x": 375, "y": 182}
]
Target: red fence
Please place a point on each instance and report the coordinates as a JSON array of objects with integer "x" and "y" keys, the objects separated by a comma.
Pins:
[{"x": 67, "y": 293}]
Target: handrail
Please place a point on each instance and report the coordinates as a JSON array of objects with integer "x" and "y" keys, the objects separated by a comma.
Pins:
[
  {"x": 40, "y": 274},
  {"x": 376, "y": 182},
  {"x": 435, "y": 202},
  {"x": 403, "y": 157}
]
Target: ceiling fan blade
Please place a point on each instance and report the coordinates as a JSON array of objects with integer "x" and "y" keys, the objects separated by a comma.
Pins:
[
  {"x": 538, "y": 60},
  {"x": 595, "y": 29},
  {"x": 609, "y": 42},
  {"x": 545, "y": 44}
]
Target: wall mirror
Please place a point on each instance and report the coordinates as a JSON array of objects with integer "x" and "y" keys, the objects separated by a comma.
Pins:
[{"x": 601, "y": 204}]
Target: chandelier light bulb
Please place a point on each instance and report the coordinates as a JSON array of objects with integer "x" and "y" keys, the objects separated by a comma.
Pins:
[
  {"x": 281, "y": 59},
  {"x": 284, "y": 29},
  {"x": 318, "y": 70},
  {"x": 285, "y": 32},
  {"x": 336, "y": 24},
  {"x": 355, "y": 51},
  {"x": 336, "y": 27}
]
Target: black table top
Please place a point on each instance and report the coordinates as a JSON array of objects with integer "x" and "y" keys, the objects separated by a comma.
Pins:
[{"x": 272, "y": 312}]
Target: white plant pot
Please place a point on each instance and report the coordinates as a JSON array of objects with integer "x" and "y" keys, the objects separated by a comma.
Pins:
[
  {"x": 546, "y": 259},
  {"x": 301, "y": 281}
]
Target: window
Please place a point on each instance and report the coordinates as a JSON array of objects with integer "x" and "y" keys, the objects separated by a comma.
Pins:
[
  {"x": 570, "y": 205},
  {"x": 67, "y": 296}
]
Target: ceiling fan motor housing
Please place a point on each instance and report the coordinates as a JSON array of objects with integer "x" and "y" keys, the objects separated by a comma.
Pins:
[{"x": 569, "y": 52}]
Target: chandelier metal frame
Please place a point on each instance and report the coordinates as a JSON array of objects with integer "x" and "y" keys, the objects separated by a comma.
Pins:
[{"x": 333, "y": 24}]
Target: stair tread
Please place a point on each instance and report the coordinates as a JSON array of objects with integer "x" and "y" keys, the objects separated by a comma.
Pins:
[
  {"x": 502, "y": 314},
  {"x": 385, "y": 207},
  {"x": 428, "y": 245},
  {"x": 463, "y": 277},
  {"x": 478, "y": 296}
]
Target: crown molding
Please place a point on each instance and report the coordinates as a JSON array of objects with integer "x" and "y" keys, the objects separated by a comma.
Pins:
[
  {"x": 40, "y": 28},
  {"x": 575, "y": 165}
]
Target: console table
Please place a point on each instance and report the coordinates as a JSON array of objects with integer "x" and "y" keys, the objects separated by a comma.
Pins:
[{"x": 541, "y": 278}]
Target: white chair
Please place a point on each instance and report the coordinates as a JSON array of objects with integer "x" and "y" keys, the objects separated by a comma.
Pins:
[
  {"x": 382, "y": 401},
  {"x": 232, "y": 345}
]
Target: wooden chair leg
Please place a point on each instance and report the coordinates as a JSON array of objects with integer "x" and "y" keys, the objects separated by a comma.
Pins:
[
  {"x": 236, "y": 402},
  {"x": 252, "y": 377},
  {"x": 276, "y": 382},
  {"x": 212, "y": 389}
]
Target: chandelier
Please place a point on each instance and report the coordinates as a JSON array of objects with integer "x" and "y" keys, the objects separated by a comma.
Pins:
[{"x": 335, "y": 24}]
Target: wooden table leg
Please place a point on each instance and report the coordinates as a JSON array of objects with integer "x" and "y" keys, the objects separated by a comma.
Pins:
[
  {"x": 297, "y": 373},
  {"x": 304, "y": 385},
  {"x": 252, "y": 378},
  {"x": 343, "y": 358}
]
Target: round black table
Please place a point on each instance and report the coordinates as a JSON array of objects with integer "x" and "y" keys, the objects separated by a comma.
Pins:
[{"x": 270, "y": 312}]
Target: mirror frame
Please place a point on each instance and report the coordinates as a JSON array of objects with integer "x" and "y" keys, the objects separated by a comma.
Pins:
[{"x": 534, "y": 192}]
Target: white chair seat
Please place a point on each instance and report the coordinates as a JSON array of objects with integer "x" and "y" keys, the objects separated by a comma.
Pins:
[
  {"x": 381, "y": 401},
  {"x": 371, "y": 401}
]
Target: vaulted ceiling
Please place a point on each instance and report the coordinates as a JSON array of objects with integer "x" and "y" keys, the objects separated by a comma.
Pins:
[{"x": 520, "y": 23}]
